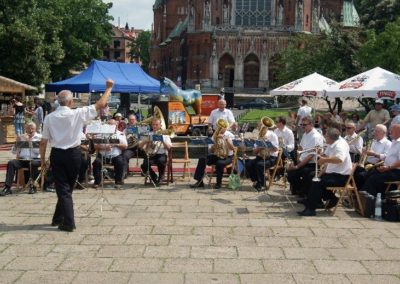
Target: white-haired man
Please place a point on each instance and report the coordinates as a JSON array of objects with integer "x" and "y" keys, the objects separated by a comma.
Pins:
[
  {"x": 62, "y": 129},
  {"x": 221, "y": 112}
]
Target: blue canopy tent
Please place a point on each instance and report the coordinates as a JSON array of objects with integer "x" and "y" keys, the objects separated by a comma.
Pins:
[{"x": 128, "y": 78}]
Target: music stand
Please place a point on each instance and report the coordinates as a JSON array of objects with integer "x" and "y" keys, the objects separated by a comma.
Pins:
[
  {"x": 106, "y": 130},
  {"x": 28, "y": 145}
]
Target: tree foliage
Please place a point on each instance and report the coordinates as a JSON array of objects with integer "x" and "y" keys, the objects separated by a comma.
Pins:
[
  {"x": 375, "y": 14},
  {"x": 41, "y": 40},
  {"x": 140, "y": 48}
]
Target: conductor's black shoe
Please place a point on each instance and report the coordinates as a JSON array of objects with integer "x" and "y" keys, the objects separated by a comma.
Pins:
[
  {"x": 197, "y": 184},
  {"x": 307, "y": 213},
  {"x": 332, "y": 203},
  {"x": 32, "y": 190},
  {"x": 56, "y": 223},
  {"x": 6, "y": 191},
  {"x": 218, "y": 186},
  {"x": 64, "y": 228}
]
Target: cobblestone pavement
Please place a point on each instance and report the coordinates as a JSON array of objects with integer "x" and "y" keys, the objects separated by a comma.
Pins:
[{"x": 174, "y": 234}]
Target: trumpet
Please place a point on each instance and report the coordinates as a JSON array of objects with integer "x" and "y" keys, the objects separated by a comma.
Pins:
[
  {"x": 317, "y": 148},
  {"x": 357, "y": 137}
]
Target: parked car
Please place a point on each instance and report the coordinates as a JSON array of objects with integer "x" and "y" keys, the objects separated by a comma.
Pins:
[{"x": 257, "y": 103}]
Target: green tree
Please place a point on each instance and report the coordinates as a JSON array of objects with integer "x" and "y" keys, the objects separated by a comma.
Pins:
[
  {"x": 140, "y": 48},
  {"x": 382, "y": 49},
  {"x": 28, "y": 44},
  {"x": 86, "y": 31},
  {"x": 375, "y": 14}
]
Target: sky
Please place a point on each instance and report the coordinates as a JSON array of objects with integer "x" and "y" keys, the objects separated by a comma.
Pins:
[{"x": 138, "y": 13}]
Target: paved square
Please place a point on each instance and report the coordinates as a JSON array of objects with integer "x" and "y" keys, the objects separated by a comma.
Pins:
[{"x": 174, "y": 234}]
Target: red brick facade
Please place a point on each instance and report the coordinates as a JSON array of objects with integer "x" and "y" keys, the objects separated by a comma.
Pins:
[{"x": 228, "y": 43}]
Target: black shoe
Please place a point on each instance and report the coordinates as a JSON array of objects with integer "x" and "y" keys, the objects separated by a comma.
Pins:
[
  {"x": 32, "y": 190},
  {"x": 6, "y": 191},
  {"x": 218, "y": 186},
  {"x": 197, "y": 184},
  {"x": 56, "y": 223},
  {"x": 307, "y": 213},
  {"x": 257, "y": 186},
  {"x": 49, "y": 189},
  {"x": 64, "y": 228},
  {"x": 332, "y": 203}
]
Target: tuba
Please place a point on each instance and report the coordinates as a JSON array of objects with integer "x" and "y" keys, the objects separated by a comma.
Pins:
[
  {"x": 265, "y": 123},
  {"x": 220, "y": 148},
  {"x": 153, "y": 147}
]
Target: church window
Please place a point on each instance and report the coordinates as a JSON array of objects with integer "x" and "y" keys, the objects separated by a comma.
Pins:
[{"x": 253, "y": 12}]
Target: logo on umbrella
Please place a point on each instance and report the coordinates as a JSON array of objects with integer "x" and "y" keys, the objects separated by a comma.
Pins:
[{"x": 386, "y": 94}]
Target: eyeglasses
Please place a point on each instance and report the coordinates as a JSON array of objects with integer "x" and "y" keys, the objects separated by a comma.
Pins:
[
  {"x": 349, "y": 127},
  {"x": 305, "y": 124}
]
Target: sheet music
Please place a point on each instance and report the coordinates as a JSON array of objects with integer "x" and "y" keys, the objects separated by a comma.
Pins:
[{"x": 100, "y": 129}]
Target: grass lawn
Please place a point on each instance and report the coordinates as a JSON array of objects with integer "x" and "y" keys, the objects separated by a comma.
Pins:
[{"x": 256, "y": 114}]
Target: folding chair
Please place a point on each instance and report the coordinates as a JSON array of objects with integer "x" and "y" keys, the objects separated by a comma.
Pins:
[
  {"x": 228, "y": 168},
  {"x": 390, "y": 183},
  {"x": 348, "y": 190},
  {"x": 185, "y": 160},
  {"x": 271, "y": 172},
  {"x": 168, "y": 165}
]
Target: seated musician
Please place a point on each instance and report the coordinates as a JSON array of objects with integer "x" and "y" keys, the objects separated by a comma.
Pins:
[
  {"x": 373, "y": 155},
  {"x": 285, "y": 137},
  {"x": 23, "y": 157},
  {"x": 221, "y": 155},
  {"x": 119, "y": 121},
  {"x": 299, "y": 176},
  {"x": 111, "y": 154},
  {"x": 156, "y": 152},
  {"x": 265, "y": 157},
  {"x": 336, "y": 172},
  {"x": 354, "y": 140},
  {"x": 132, "y": 149},
  {"x": 390, "y": 170}
]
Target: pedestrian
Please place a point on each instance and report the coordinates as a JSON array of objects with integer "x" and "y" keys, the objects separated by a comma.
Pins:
[{"x": 62, "y": 129}]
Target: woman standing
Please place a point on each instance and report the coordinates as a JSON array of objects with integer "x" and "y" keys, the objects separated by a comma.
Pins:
[{"x": 19, "y": 115}]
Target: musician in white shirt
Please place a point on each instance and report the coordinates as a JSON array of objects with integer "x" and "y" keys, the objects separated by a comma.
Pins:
[
  {"x": 338, "y": 168},
  {"x": 156, "y": 152},
  {"x": 62, "y": 128},
  {"x": 285, "y": 136},
  {"x": 213, "y": 159},
  {"x": 376, "y": 153},
  {"x": 111, "y": 154},
  {"x": 23, "y": 157},
  {"x": 256, "y": 167},
  {"x": 355, "y": 142},
  {"x": 304, "y": 111},
  {"x": 390, "y": 171},
  {"x": 299, "y": 176},
  {"x": 221, "y": 112}
]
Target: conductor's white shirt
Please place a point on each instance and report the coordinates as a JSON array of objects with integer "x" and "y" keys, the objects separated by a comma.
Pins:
[{"x": 63, "y": 126}]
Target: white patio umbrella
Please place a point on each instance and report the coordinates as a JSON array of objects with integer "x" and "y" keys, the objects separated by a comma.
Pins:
[
  {"x": 375, "y": 83},
  {"x": 313, "y": 85}
]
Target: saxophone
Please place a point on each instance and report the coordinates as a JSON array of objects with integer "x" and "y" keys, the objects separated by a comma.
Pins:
[
  {"x": 220, "y": 148},
  {"x": 364, "y": 156}
]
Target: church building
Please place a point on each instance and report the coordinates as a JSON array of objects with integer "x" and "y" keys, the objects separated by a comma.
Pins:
[{"x": 230, "y": 43}]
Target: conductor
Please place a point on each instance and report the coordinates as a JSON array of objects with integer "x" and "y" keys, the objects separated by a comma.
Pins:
[{"x": 62, "y": 128}]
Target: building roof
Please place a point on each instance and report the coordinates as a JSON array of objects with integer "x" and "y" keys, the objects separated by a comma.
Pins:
[
  {"x": 350, "y": 17},
  {"x": 10, "y": 85},
  {"x": 323, "y": 25},
  {"x": 180, "y": 27},
  {"x": 158, "y": 4}
]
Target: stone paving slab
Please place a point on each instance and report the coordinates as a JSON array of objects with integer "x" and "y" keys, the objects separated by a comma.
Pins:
[{"x": 174, "y": 234}]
